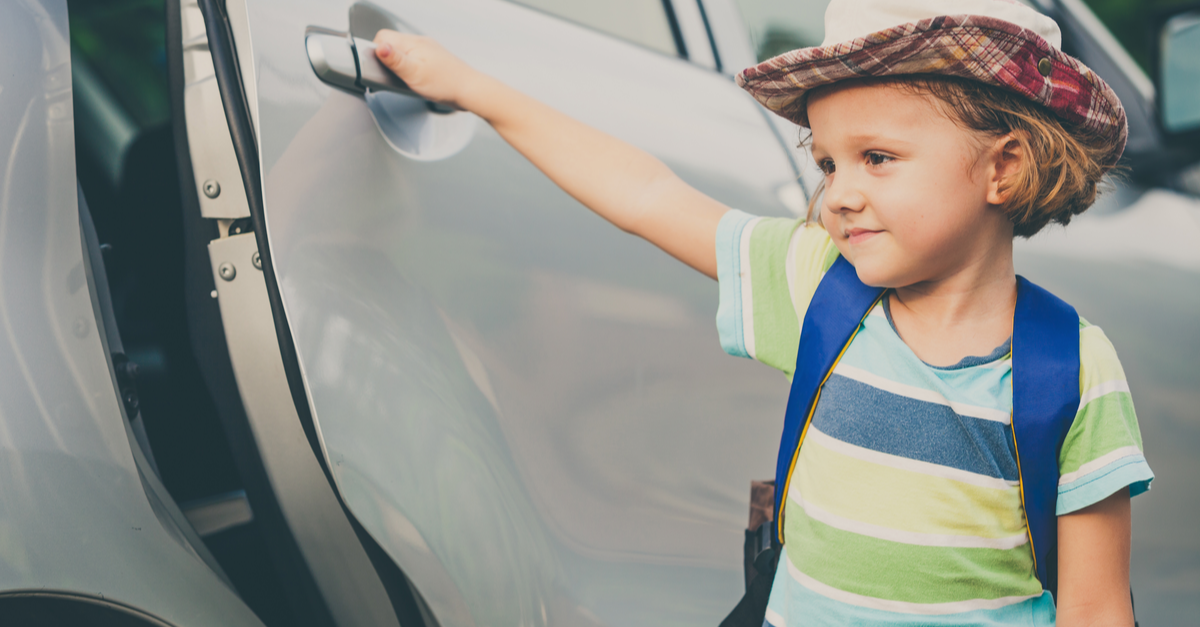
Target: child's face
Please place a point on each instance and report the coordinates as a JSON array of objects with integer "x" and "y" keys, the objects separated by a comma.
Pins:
[{"x": 909, "y": 194}]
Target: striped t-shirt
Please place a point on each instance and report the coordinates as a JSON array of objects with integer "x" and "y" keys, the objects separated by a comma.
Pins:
[{"x": 904, "y": 507}]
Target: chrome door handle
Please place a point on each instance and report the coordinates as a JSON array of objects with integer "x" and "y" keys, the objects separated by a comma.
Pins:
[
  {"x": 349, "y": 63},
  {"x": 373, "y": 74}
]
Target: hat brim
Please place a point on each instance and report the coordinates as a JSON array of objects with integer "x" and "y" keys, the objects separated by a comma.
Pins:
[{"x": 989, "y": 50}]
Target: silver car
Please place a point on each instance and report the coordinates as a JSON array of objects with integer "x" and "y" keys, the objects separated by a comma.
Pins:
[{"x": 283, "y": 344}]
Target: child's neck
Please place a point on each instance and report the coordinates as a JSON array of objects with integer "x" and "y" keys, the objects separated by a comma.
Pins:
[{"x": 969, "y": 314}]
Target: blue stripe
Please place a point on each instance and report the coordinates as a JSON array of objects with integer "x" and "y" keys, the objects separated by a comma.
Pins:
[
  {"x": 866, "y": 416},
  {"x": 729, "y": 281},
  {"x": 1132, "y": 471},
  {"x": 803, "y": 607},
  {"x": 878, "y": 350}
]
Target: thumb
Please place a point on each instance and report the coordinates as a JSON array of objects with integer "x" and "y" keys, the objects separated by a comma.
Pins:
[{"x": 387, "y": 52}]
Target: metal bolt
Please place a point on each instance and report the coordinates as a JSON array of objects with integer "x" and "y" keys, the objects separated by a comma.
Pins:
[
  {"x": 227, "y": 271},
  {"x": 1045, "y": 66},
  {"x": 256, "y": 260},
  {"x": 212, "y": 188},
  {"x": 131, "y": 401}
]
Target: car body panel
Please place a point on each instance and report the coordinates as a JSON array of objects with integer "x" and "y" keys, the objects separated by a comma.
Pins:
[
  {"x": 504, "y": 386},
  {"x": 81, "y": 512}
]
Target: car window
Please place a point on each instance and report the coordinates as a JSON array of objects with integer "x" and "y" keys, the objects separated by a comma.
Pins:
[
  {"x": 644, "y": 22},
  {"x": 777, "y": 26},
  {"x": 119, "y": 79},
  {"x": 122, "y": 42}
]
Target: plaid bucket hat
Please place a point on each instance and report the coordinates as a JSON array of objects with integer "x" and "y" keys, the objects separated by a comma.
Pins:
[{"x": 998, "y": 42}]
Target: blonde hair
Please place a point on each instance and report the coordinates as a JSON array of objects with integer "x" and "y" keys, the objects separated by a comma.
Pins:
[{"x": 1061, "y": 164}]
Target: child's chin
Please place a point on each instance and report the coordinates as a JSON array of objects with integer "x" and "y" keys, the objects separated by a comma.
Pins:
[{"x": 875, "y": 276}]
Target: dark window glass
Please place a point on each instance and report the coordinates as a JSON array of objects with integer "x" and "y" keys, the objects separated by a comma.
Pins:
[{"x": 122, "y": 42}]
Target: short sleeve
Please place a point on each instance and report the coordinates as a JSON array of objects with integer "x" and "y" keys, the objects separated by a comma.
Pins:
[
  {"x": 768, "y": 270},
  {"x": 1102, "y": 452}
]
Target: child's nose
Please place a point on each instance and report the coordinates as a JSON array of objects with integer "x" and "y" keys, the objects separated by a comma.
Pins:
[{"x": 841, "y": 194}]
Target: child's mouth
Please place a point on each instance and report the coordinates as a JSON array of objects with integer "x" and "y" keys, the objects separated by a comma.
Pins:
[{"x": 858, "y": 236}]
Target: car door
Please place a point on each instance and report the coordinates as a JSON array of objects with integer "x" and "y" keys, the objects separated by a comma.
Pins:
[
  {"x": 522, "y": 408},
  {"x": 88, "y": 533}
]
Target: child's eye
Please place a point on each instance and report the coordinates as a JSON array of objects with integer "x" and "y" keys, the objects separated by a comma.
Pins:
[
  {"x": 878, "y": 158},
  {"x": 826, "y": 166}
]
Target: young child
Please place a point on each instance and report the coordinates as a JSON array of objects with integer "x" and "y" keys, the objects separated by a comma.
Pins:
[{"x": 941, "y": 139}]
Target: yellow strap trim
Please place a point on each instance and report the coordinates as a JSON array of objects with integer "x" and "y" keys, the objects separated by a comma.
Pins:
[
  {"x": 1021, "y": 482},
  {"x": 1012, "y": 425},
  {"x": 812, "y": 409}
]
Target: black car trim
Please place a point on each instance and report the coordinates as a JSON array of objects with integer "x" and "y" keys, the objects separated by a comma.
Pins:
[
  {"x": 65, "y": 607},
  {"x": 237, "y": 114},
  {"x": 676, "y": 31},
  {"x": 712, "y": 40},
  {"x": 233, "y": 98},
  {"x": 207, "y": 336}
]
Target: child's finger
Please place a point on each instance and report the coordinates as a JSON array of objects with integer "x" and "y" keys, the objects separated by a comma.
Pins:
[{"x": 389, "y": 49}]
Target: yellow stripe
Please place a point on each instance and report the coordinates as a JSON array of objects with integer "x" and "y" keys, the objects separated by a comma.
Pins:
[
  {"x": 808, "y": 419},
  {"x": 902, "y": 499}
]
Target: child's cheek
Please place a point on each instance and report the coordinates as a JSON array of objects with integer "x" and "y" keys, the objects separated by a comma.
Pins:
[{"x": 831, "y": 222}]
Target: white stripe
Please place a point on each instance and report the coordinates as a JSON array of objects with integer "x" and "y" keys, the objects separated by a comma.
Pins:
[
  {"x": 904, "y": 463},
  {"x": 901, "y": 536},
  {"x": 924, "y": 609},
  {"x": 1100, "y": 462},
  {"x": 775, "y": 619},
  {"x": 1108, "y": 387},
  {"x": 920, "y": 394},
  {"x": 747, "y": 287}
]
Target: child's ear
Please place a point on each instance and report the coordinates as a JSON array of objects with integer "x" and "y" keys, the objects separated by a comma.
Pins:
[{"x": 1007, "y": 166}]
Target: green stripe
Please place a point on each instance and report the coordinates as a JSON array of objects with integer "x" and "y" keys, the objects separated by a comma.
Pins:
[
  {"x": 776, "y": 329},
  {"x": 1104, "y": 425},
  {"x": 1098, "y": 363},
  {"x": 902, "y": 572}
]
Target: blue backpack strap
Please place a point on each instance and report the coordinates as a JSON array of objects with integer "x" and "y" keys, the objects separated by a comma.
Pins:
[
  {"x": 838, "y": 307},
  {"x": 1045, "y": 378}
]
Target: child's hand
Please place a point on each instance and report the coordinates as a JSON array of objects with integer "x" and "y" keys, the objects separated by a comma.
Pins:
[{"x": 425, "y": 66}]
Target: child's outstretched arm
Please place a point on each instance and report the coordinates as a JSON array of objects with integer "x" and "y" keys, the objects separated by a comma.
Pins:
[
  {"x": 625, "y": 185},
  {"x": 1093, "y": 565}
]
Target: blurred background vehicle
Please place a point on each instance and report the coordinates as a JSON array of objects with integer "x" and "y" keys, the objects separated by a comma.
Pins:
[{"x": 330, "y": 356}]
